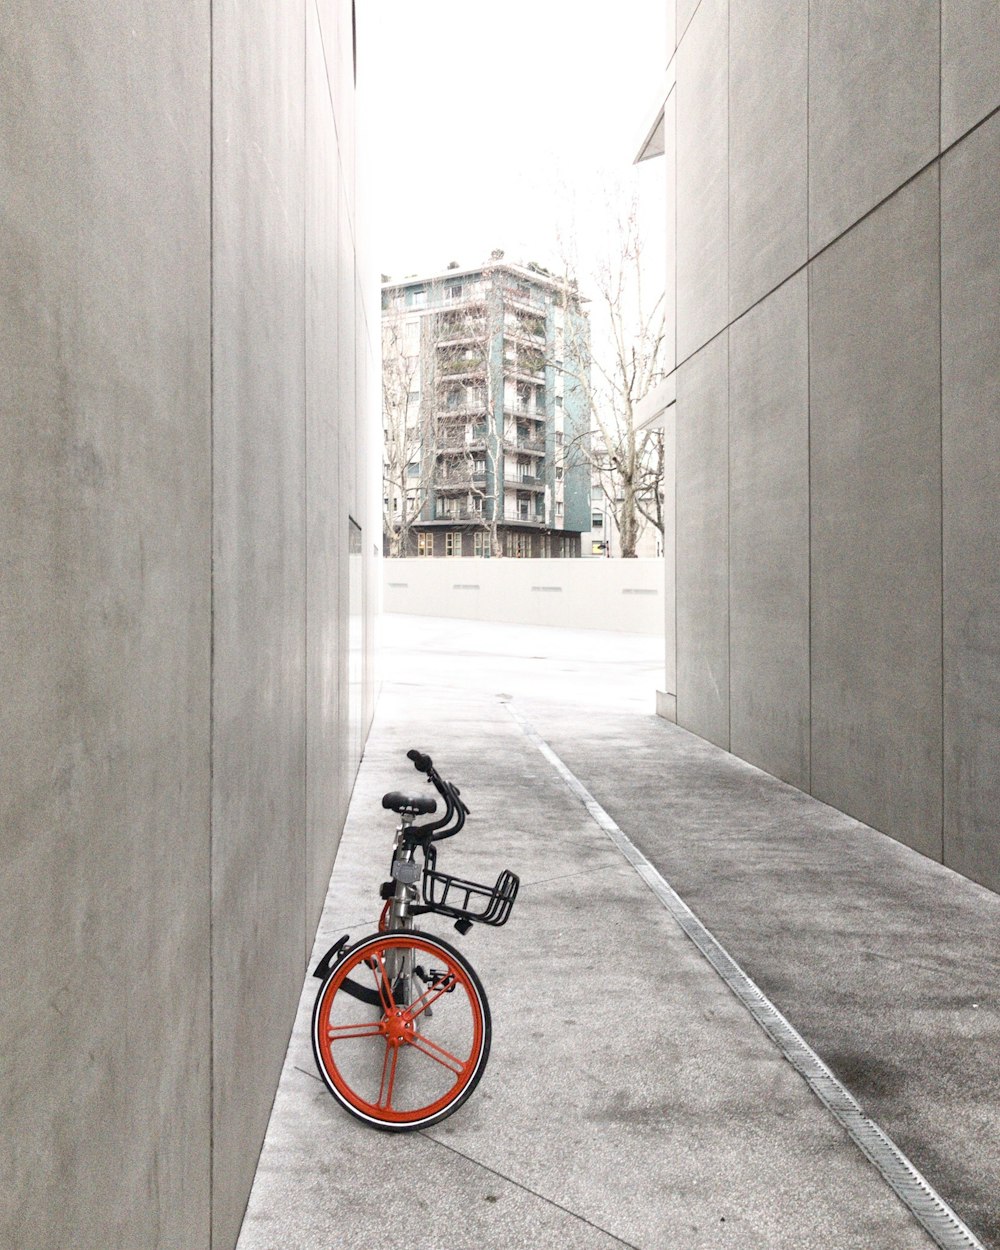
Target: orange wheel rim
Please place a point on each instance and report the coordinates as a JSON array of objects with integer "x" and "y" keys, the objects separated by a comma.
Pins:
[{"x": 399, "y": 1033}]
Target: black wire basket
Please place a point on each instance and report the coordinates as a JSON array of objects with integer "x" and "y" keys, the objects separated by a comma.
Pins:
[{"x": 467, "y": 900}]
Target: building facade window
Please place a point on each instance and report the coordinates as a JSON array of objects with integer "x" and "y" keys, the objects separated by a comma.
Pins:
[
  {"x": 453, "y": 544},
  {"x": 425, "y": 544}
]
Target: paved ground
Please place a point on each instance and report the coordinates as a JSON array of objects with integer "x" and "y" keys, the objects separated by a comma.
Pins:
[{"x": 630, "y": 1099}]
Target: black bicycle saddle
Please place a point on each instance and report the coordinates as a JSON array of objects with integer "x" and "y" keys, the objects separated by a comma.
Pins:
[{"x": 409, "y": 804}]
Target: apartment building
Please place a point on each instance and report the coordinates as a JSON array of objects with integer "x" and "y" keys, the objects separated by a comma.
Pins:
[{"x": 484, "y": 412}]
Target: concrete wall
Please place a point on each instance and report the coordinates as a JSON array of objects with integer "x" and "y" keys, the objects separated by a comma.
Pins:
[
  {"x": 625, "y": 595},
  {"x": 838, "y": 404},
  {"x": 182, "y": 369}
]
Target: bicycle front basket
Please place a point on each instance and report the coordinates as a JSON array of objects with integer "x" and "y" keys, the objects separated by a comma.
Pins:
[{"x": 467, "y": 900}]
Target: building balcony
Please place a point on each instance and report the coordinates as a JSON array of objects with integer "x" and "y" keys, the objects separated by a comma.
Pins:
[
  {"x": 458, "y": 446},
  {"x": 469, "y": 410},
  {"x": 518, "y": 334},
  {"x": 523, "y": 372},
  {"x": 460, "y": 482},
  {"x": 529, "y": 482},
  {"x": 523, "y": 518},
  {"x": 525, "y": 446},
  {"x": 457, "y": 516},
  {"x": 467, "y": 367},
  {"x": 523, "y": 414},
  {"x": 526, "y": 301},
  {"x": 458, "y": 337}
]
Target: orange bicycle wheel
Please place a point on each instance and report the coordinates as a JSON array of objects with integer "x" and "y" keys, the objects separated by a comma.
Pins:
[{"x": 401, "y": 1030}]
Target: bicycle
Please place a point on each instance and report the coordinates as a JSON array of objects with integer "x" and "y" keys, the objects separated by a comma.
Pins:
[{"x": 401, "y": 1026}]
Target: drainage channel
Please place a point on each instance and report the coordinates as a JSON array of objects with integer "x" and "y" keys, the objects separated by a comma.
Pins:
[{"x": 920, "y": 1198}]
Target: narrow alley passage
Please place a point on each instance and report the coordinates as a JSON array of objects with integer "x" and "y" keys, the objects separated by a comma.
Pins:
[{"x": 629, "y": 1098}]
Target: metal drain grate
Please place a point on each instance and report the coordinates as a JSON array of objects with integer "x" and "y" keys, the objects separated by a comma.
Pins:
[{"x": 925, "y": 1204}]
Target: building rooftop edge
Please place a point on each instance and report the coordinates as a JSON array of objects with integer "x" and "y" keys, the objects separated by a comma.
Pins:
[{"x": 521, "y": 271}]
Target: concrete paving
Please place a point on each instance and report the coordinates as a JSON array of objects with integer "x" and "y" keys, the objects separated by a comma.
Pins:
[{"x": 630, "y": 1099}]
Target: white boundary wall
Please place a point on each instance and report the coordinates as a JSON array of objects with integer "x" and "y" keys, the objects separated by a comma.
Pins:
[{"x": 622, "y": 595}]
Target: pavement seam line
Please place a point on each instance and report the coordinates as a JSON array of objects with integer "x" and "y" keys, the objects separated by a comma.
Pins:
[
  {"x": 509, "y": 1180},
  {"x": 305, "y": 1072},
  {"x": 567, "y": 876},
  {"x": 923, "y": 1202}
]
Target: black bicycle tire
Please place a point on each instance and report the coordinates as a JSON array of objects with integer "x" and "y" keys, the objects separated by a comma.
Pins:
[{"x": 465, "y": 1091}]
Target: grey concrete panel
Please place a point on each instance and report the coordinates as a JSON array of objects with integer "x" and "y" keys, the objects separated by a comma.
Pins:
[
  {"x": 670, "y": 232},
  {"x": 702, "y": 571},
  {"x": 347, "y": 471},
  {"x": 325, "y": 519},
  {"x": 258, "y": 816},
  {"x": 768, "y": 146},
  {"x": 769, "y": 534},
  {"x": 873, "y": 105},
  {"x": 970, "y": 65},
  {"x": 702, "y": 178},
  {"x": 970, "y": 364},
  {"x": 683, "y": 11},
  {"x": 104, "y": 639},
  {"x": 875, "y": 515}
]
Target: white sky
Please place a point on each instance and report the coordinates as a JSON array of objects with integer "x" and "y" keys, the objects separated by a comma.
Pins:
[{"x": 499, "y": 124}]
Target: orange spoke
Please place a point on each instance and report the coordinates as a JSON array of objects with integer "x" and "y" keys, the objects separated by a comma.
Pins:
[
  {"x": 438, "y": 1053},
  {"x": 388, "y": 1071},
  {"x": 431, "y": 995},
  {"x": 382, "y": 982},
  {"x": 338, "y": 1032}
]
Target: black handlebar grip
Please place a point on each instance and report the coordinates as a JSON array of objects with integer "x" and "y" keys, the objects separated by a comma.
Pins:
[{"x": 422, "y": 763}]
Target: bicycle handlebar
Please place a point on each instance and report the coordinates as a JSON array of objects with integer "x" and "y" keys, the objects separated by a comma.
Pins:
[
  {"x": 421, "y": 762},
  {"x": 455, "y": 808}
]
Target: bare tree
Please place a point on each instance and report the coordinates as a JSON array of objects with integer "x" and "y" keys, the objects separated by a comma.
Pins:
[
  {"x": 404, "y": 492},
  {"x": 627, "y": 362}
]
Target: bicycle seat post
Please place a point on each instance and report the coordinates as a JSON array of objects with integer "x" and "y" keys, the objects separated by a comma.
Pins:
[{"x": 405, "y": 873}]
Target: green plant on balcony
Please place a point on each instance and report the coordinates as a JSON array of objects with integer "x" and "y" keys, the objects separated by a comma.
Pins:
[{"x": 461, "y": 364}]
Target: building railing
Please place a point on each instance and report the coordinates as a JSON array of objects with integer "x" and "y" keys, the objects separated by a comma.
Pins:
[
  {"x": 529, "y": 300},
  {"x": 524, "y": 518},
  {"x": 523, "y": 335},
  {"x": 460, "y": 481},
  {"x": 454, "y": 336},
  {"x": 456, "y": 368},
  {"x": 519, "y": 370},
  {"x": 466, "y": 411},
  {"x": 457, "y": 514},
  {"x": 459, "y": 445}
]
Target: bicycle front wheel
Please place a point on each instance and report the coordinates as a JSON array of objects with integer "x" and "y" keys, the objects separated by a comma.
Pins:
[{"x": 401, "y": 1052}]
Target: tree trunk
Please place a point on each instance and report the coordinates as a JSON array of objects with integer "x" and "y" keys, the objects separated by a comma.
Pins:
[{"x": 628, "y": 524}]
